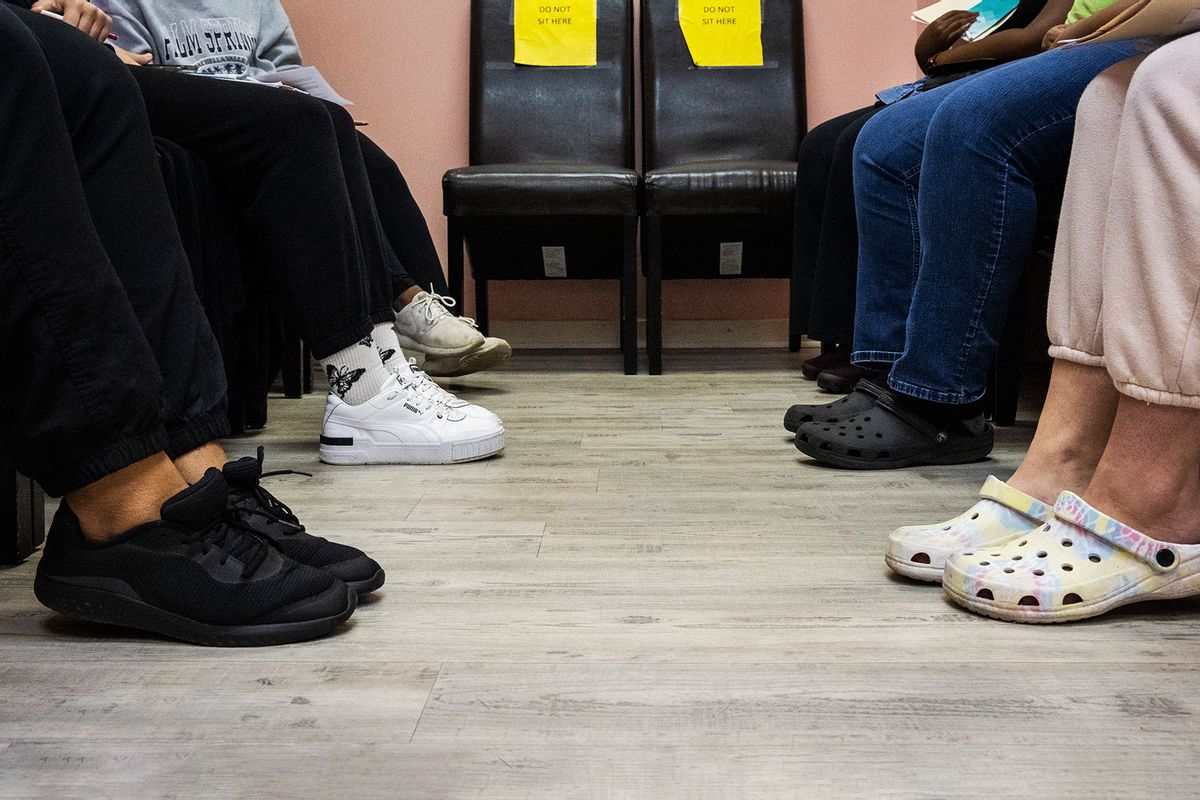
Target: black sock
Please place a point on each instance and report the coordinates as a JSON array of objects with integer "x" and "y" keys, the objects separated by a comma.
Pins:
[{"x": 948, "y": 416}]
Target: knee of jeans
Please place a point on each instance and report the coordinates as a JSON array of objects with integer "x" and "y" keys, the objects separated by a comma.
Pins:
[
  {"x": 964, "y": 121},
  {"x": 874, "y": 151}
]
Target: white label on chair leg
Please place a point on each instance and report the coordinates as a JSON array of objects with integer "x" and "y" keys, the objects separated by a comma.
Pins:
[
  {"x": 731, "y": 258},
  {"x": 554, "y": 260}
]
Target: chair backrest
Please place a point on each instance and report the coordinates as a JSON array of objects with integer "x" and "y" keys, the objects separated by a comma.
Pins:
[
  {"x": 720, "y": 114},
  {"x": 573, "y": 115}
]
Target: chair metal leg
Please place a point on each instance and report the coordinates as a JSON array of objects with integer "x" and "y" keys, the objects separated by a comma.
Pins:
[
  {"x": 652, "y": 255},
  {"x": 455, "y": 264},
  {"x": 629, "y": 309},
  {"x": 481, "y": 306}
]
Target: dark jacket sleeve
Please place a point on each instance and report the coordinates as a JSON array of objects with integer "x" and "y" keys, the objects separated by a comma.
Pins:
[{"x": 21, "y": 3}]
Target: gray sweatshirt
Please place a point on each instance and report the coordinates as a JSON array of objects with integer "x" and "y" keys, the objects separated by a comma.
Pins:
[{"x": 218, "y": 37}]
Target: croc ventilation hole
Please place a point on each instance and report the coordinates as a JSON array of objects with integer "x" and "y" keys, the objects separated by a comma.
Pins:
[
  {"x": 1067, "y": 543},
  {"x": 1017, "y": 558},
  {"x": 968, "y": 554},
  {"x": 1165, "y": 558},
  {"x": 946, "y": 528},
  {"x": 922, "y": 558},
  {"x": 1067, "y": 568},
  {"x": 1095, "y": 559},
  {"x": 1038, "y": 572},
  {"x": 1046, "y": 528},
  {"x": 985, "y": 594},
  {"x": 975, "y": 516},
  {"x": 1009, "y": 570},
  {"x": 1072, "y": 599},
  {"x": 1022, "y": 543},
  {"x": 985, "y": 563},
  {"x": 1028, "y": 600},
  {"x": 1042, "y": 554}
]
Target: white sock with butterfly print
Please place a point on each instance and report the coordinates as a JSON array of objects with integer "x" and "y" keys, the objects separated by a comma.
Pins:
[{"x": 357, "y": 373}]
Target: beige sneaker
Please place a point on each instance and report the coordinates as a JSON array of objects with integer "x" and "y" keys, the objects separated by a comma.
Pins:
[
  {"x": 492, "y": 353},
  {"x": 426, "y": 326}
]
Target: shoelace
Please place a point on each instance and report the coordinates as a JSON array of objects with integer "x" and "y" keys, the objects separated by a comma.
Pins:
[
  {"x": 425, "y": 385},
  {"x": 272, "y": 508},
  {"x": 232, "y": 538},
  {"x": 435, "y": 307},
  {"x": 421, "y": 400}
]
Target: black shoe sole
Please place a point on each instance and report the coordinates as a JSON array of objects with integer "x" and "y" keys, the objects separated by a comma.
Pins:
[
  {"x": 368, "y": 585},
  {"x": 965, "y": 455},
  {"x": 96, "y": 605}
]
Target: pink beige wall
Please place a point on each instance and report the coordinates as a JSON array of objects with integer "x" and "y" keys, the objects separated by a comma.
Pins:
[{"x": 404, "y": 63}]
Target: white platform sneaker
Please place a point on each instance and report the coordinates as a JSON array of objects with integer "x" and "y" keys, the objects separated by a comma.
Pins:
[{"x": 403, "y": 426}]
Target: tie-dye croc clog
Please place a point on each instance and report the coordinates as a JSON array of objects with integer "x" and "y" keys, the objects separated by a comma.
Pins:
[
  {"x": 1001, "y": 515},
  {"x": 1081, "y": 565}
]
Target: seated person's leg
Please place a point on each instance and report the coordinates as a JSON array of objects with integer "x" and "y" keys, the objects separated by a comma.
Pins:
[
  {"x": 1082, "y": 402},
  {"x": 989, "y": 144},
  {"x": 836, "y": 278},
  {"x": 131, "y": 544},
  {"x": 815, "y": 162},
  {"x": 403, "y": 223},
  {"x": 115, "y": 156},
  {"x": 277, "y": 156},
  {"x": 450, "y": 345},
  {"x": 886, "y": 173}
]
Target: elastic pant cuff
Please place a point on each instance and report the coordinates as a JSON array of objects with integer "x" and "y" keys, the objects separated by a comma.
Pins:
[
  {"x": 1061, "y": 352},
  {"x": 1157, "y": 397},
  {"x": 196, "y": 432},
  {"x": 64, "y": 478}
]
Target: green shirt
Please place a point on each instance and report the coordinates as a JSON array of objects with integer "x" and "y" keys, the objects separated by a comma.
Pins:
[{"x": 1086, "y": 8}]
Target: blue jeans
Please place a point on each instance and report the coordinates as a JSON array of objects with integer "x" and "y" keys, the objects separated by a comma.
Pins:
[{"x": 946, "y": 188}]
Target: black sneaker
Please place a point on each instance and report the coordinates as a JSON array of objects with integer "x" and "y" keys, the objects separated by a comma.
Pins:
[
  {"x": 197, "y": 575},
  {"x": 260, "y": 510}
]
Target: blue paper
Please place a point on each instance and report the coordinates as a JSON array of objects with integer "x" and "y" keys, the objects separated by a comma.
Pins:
[{"x": 990, "y": 12}]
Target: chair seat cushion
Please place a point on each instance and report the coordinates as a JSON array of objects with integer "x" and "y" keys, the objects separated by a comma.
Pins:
[
  {"x": 540, "y": 190},
  {"x": 722, "y": 187}
]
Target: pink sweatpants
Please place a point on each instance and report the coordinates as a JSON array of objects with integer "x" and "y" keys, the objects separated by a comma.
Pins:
[{"x": 1125, "y": 293}]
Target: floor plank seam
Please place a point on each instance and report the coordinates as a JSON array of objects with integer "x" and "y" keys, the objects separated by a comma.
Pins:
[{"x": 429, "y": 696}]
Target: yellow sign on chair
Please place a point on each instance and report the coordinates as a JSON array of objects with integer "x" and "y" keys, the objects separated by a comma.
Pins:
[
  {"x": 555, "y": 33},
  {"x": 723, "y": 33}
]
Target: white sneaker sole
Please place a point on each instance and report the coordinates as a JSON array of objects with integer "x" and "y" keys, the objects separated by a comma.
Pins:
[
  {"x": 413, "y": 346},
  {"x": 490, "y": 355},
  {"x": 356, "y": 452}
]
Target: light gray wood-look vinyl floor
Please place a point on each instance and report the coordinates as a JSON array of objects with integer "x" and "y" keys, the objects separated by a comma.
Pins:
[{"x": 650, "y": 595}]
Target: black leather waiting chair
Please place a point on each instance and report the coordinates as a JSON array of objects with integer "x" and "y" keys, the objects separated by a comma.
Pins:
[
  {"x": 552, "y": 191},
  {"x": 719, "y": 157}
]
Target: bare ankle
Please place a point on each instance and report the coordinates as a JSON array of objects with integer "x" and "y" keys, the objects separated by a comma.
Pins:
[
  {"x": 126, "y": 499},
  {"x": 1164, "y": 507},
  {"x": 193, "y": 464},
  {"x": 406, "y": 297},
  {"x": 1048, "y": 472}
]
